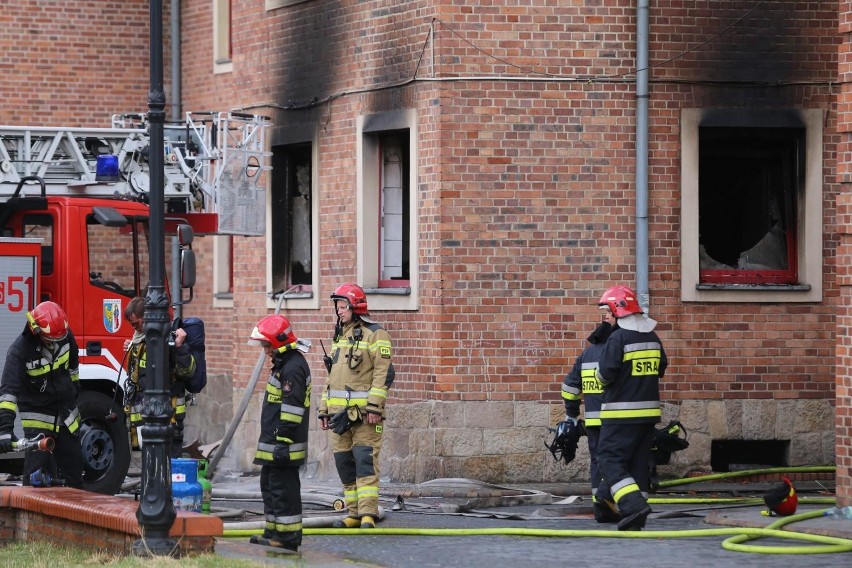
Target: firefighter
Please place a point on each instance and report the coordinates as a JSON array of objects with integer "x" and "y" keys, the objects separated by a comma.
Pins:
[
  {"x": 181, "y": 368},
  {"x": 352, "y": 405},
  {"x": 40, "y": 382},
  {"x": 630, "y": 369},
  {"x": 581, "y": 380},
  {"x": 283, "y": 443}
]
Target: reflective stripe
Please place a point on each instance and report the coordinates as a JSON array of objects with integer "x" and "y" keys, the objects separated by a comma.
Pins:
[
  {"x": 643, "y": 409},
  {"x": 44, "y": 365},
  {"x": 379, "y": 392},
  {"x": 290, "y": 413},
  {"x": 368, "y": 491},
  {"x": 350, "y": 496},
  {"x": 624, "y": 487},
  {"x": 8, "y": 398},
  {"x": 73, "y": 421},
  {"x": 347, "y": 394}
]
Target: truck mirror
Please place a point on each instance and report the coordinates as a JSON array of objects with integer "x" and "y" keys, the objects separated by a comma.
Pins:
[
  {"x": 187, "y": 268},
  {"x": 109, "y": 217},
  {"x": 185, "y": 235}
]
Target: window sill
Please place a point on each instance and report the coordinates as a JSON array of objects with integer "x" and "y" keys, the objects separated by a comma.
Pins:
[
  {"x": 757, "y": 287},
  {"x": 389, "y": 291}
]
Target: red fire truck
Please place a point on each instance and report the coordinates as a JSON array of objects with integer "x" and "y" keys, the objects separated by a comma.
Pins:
[{"x": 74, "y": 222}]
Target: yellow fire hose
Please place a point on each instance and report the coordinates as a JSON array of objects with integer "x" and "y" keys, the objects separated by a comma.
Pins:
[{"x": 737, "y": 536}]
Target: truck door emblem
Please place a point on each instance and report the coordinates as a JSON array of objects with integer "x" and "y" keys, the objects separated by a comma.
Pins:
[{"x": 112, "y": 315}]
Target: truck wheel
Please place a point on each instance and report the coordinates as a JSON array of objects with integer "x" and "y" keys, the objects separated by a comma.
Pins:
[{"x": 105, "y": 444}]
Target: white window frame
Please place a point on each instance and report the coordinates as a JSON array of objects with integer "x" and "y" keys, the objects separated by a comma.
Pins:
[
  {"x": 222, "y": 63},
  {"x": 368, "y": 126},
  {"x": 282, "y": 136},
  {"x": 809, "y": 220}
]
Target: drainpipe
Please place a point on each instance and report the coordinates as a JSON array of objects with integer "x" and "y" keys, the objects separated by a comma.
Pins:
[
  {"x": 642, "y": 40},
  {"x": 175, "y": 39}
]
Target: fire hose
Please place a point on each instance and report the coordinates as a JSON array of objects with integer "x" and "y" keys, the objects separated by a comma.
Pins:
[{"x": 40, "y": 443}]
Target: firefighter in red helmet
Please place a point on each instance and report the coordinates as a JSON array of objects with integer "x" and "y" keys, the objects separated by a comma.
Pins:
[
  {"x": 283, "y": 443},
  {"x": 40, "y": 382},
  {"x": 352, "y": 405},
  {"x": 630, "y": 369}
]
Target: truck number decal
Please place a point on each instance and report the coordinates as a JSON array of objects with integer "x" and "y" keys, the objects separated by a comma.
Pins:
[{"x": 15, "y": 293}]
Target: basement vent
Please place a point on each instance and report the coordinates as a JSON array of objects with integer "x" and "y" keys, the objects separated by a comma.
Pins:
[{"x": 740, "y": 455}]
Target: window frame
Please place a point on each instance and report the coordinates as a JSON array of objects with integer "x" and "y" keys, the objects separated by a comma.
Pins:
[
  {"x": 809, "y": 237},
  {"x": 288, "y": 136},
  {"x": 222, "y": 38},
  {"x": 405, "y": 296}
]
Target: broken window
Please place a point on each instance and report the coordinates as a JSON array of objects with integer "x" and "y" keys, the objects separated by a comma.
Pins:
[
  {"x": 292, "y": 254},
  {"x": 748, "y": 182}
]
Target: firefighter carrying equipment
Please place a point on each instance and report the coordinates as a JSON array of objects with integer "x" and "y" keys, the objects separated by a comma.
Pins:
[{"x": 566, "y": 436}]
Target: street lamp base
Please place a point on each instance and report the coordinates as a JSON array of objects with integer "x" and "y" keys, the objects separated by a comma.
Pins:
[{"x": 148, "y": 547}]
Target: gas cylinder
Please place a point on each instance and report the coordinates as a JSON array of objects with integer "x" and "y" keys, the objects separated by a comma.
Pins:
[
  {"x": 186, "y": 490},
  {"x": 206, "y": 486}
]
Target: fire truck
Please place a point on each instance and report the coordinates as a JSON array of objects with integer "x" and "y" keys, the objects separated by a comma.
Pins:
[{"x": 74, "y": 222}]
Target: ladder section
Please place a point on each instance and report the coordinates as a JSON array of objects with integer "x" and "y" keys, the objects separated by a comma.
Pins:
[{"x": 215, "y": 162}]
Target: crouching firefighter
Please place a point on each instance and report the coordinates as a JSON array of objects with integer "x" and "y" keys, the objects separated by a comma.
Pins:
[
  {"x": 40, "y": 382},
  {"x": 630, "y": 368},
  {"x": 352, "y": 405},
  {"x": 283, "y": 443}
]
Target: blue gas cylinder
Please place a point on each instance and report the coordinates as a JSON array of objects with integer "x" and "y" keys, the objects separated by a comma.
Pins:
[{"x": 186, "y": 490}]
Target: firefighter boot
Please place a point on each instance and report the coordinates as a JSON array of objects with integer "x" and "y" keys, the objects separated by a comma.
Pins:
[
  {"x": 347, "y": 523},
  {"x": 634, "y": 521},
  {"x": 368, "y": 522},
  {"x": 605, "y": 511}
]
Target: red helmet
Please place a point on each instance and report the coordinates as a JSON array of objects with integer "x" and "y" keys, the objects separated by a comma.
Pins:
[
  {"x": 48, "y": 321},
  {"x": 782, "y": 500},
  {"x": 621, "y": 300},
  {"x": 353, "y": 294},
  {"x": 275, "y": 329}
]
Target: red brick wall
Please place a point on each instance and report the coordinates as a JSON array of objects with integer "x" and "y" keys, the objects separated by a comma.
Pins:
[{"x": 75, "y": 63}]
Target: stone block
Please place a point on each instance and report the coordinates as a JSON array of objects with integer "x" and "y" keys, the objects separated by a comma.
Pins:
[
  {"x": 447, "y": 415},
  {"x": 535, "y": 414},
  {"x": 458, "y": 442},
  {"x": 488, "y": 414},
  {"x": 759, "y": 419},
  {"x": 508, "y": 441}
]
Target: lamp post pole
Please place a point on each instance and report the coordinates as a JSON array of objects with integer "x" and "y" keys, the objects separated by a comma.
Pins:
[{"x": 156, "y": 512}]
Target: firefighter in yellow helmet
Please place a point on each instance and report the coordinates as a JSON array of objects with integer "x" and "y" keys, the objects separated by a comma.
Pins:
[
  {"x": 283, "y": 443},
  {"x": 352, "y": 405},
  {"x": 630, "y": 369},
  {"x": 40, "y": 383}
]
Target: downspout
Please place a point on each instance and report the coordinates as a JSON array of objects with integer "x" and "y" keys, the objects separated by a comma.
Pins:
[
  {"x": 175, "y": 39},
  {"x": 642, "y": 40}
]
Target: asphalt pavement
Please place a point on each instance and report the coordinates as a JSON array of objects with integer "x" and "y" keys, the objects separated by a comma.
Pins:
[{"x": 466, "y": 523}]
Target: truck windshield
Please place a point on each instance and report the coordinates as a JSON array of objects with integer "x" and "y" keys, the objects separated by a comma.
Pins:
[{"x": 118, "y": 256}]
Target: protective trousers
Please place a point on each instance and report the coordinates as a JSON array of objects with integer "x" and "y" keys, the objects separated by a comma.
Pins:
[
  {"x": 593, "y": 434},
  {"x": 624, "y": 455},
  {"x": 282, "y": 504},
  {"x": 356, "y": 455},
  {"x": 66, "y": 460}
]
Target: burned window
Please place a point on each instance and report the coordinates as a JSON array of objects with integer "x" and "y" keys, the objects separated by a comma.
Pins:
[
  {"x": 292, "y": 182},
  {"x": 747, "y": 189},
  {"x": 394, "y": 207}
]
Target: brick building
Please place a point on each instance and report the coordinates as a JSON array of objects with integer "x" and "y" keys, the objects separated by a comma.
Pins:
[{"x": 486, "y": 170}]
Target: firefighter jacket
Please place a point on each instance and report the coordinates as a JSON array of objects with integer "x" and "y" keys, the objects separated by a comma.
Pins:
[
  {"x": 630, "y": 369},
  {"x": 361, "y": 369},
  {"x": 284, "y": 416},
  {"x": 181, "y": 367},
  {"x": 583, "y": 380},
  {"x": 41, "y": 386}
]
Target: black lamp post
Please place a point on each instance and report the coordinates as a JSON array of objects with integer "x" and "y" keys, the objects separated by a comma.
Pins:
[{"x": 156, "y": 512}]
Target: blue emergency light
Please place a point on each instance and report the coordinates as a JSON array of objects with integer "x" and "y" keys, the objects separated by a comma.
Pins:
[{"x": 107, "y": 168}]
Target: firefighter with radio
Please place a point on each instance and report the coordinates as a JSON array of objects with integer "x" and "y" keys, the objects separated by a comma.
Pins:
[
  {"x": 283, "y": 443},
  {"x": 630, "y": 368},
  {"x": 582, "y": 384},
  {"x": 40, "y": 383},
  {"x": 181, "y": 368},
  {"x": 352, "y": 405}
]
